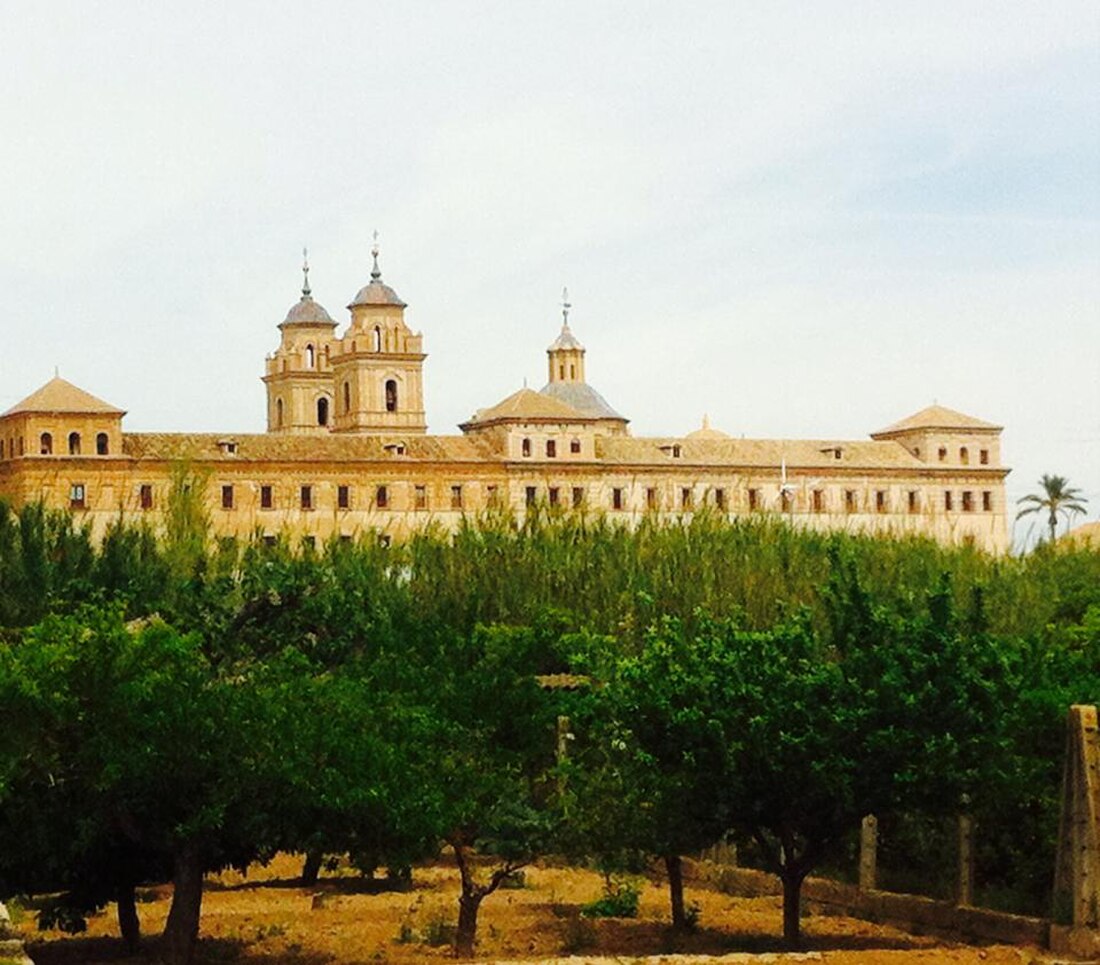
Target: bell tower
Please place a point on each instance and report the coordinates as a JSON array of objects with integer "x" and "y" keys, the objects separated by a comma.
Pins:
[
  {"x": 298, "y": 375},
  {"x": 566, "y": 354},
  {"x": 377, "y": 367}
]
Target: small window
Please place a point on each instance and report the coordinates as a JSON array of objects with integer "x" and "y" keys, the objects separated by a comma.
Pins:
[
  {"x": 343, "y": 497},
  {"x": 456, "y": 497},
  {"x": 278, "y": 413},
  {"x": 720, "y": 498},
  {"x": 309, "y": 542},
  {"x": 492, "y": 496},
  {"x": 575, "y": 446},
  {"x": 385, "y": 540},
  {"x": 578, "y": 497},
  {"x": 20, "y": 445},
  {"x": 880, "y": 500},
  {"x": 551, "y": 449},
  {"x": 101, "y": 444},
  {"x": 948, "y": 500},
  {"x": 269, "y": 540},
  {"x": 676, "y": 452},
  {"x": 785, "y": 501},
  {"x": 45, "y": 445},
  {"x": 420, "y": 497},
  {"x": 526, "y": 447},
  {"x": 555, "y": 496},
  {"x": 964, "y": 456},
  {"x": 228, "y": 447},
  {"x": 145, "y": 496},
  {"x": 754, "y": 498},
  {"x": 76, "y": 496},
  {"x": 345, "y": 538},
  {"x": 983, "y": 456},
  {"x": 616, "y": 498},
  {"x": 307, "y": 497},
  {"x": 968, "y": 501},
  {"x": 227, "y": 497},
  {"x": 916, "y": 451},
  {"x": 987, "y": 501},
  {"x": 687, "y": 498},
  {"x": 572, "y": 371},
  {"x": 376, "y": 339},
  {"x": 311, "y": 357},
  {"x": 381, "y": 497},
  {"x": 914, "y": 500},
  {"x": 849, "y": 500},
  {"x": 391, "y": 395},
  {"x": 266, "y": 500},
  {"x": 74, "y": 443},
  {"x": 651, "y": 498},
  {"x": 347, "y": 398},
  {"x": 322, "y": 411},
  {"x": 943, "y": 453},
  {"x": 531, "y": 495},
  {"x": 818, "y": 501},
  {"x": 561, "y": 371}
]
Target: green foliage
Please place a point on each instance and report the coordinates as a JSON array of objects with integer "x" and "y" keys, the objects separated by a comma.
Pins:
[{"x": 620, "y": 899}]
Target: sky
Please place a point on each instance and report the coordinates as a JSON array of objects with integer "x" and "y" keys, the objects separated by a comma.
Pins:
[{"x": 804, "y": 220}]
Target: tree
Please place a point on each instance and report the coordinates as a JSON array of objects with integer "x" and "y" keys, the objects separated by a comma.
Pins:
[{"x": 1057, "y": 499}]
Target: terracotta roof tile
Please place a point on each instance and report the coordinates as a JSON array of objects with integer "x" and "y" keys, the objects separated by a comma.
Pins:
[
  {"x": 936, "y": 417},
  {"x": 57, "y": 395},
  {"x": 527, "y": 404}
]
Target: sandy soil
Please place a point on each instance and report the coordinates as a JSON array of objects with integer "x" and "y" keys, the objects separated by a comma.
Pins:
[{"x": 267, "y": 919}]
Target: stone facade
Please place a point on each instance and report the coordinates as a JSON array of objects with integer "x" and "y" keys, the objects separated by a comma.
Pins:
[{"x": 347, "y": 452}]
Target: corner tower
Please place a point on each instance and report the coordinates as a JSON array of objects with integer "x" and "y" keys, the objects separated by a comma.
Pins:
[
  {"x": 299, "y": 374},
  {"x": 377, "y": 367}
]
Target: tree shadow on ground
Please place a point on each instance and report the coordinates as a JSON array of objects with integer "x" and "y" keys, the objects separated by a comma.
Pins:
[
  {"x": 209, "y": 951},
  {"x": 338, "y": 886}
]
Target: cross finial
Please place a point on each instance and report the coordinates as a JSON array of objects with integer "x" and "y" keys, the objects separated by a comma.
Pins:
[
  {"x": 376, "y": 272},
  {"x": 565, "y": 306},
  {"x": 305, "y": 273}
]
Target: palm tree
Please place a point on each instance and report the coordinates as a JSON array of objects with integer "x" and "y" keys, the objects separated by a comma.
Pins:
[{"x": 1058, "y": 498}]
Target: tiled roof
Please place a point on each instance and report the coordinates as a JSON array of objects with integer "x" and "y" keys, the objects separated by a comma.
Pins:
[
  {"x": 57, "y": 395},
  {"x": 936, "y": 417},
  {"x": 1087, "y": 534},
  {"x": 528, "y": 404},
  {"x": 565, "y": 341},
  {"x": 814, "y": 454},
  {"x": 306, "y": 311},
  {"x": 707, "y": 432},
  {"x": 376, "y": 294},
  {"x": 582, "y": 397}
]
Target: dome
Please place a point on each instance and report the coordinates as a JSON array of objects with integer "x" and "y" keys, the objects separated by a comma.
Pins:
[
  {"x": 565, "y": 341},
  {"x": 376, "y": 294},
  {"x": 307, "y": 312},
  {"x": 582, "y": 397},
  {"x": 706, "y": 432}
]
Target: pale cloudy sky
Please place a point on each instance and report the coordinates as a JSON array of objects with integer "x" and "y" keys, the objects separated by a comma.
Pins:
[{"x": 807, "y": 220}]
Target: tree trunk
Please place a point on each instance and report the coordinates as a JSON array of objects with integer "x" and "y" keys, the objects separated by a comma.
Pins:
[
  {"x": 182, "y": 928},
  {"x": 466, "y": 933},
  {"x": 674, "y": 865},
  {"x": 792, "y": 896},
  {"x": 129, "y": 926},
  {"x": 311, "y": 870}
]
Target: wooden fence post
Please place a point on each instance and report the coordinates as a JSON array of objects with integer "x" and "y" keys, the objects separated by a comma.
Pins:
[
  {"x": 868, "y": 853},
  {"x": 964, "y": 894}
]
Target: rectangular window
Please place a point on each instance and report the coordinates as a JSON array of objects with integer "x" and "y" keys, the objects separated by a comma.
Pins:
[
  {"x": 983, "y": 456},
  {"x": 943, "y": 453},
  {"x": 551, "y": 449},
  {"x": 914, "y": 501},
  {"x": 456, "y": 497},
  {"x": 818, "y": 501},
  {"x": 343, "y": 497},
  {"x": 880, "y": 500},
  {"x": 616, "y": 498},
  {"x": 381, "y": 497},
  {"x": 269, "y": 540},
  {"x": 266, "y": 499},
  {"x": 720, "y": 498},
  {"x": 307, "y": 497},
  {"x": 651, "y": 498},
  {"x": 555, "y": 496},
  {"x": 309, "y": 542},
  {"x": 76, "y": 496},
  {"x": 968, "y": 501},
  {"x": 578, "y": 497},
  {"x": 687, "y": 498},
  {"x": 531, "y": 494},
  {"x": 385, "y": 540},
  {"x": 492, "y": 496},
  {"x": 987, "y": 501},
  {"x": 575, "y": 446},
  {"x": 849, "y": 500},
  {"x": 345, "y": 538},
  {"x": 948, "y": 501},
  {"x": 227, "y": 497},
  {"x": 754, "y": 498},
  {"x": 145, "y": 495},
  {"x": 785, "y": 502},
  {"x": 420, "y": 497}
]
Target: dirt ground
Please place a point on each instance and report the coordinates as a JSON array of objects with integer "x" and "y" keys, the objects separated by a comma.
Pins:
[{"x": 267, "y": 919}]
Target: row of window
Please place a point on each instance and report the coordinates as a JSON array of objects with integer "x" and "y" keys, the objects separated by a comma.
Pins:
[
  {"x": 968, "y": 500},
  {"x": 323, "y": 404},
  {"x": 964, "y": 455},
  {"x": 551, "y": 447},
  {"x": 15, "y": 445}
]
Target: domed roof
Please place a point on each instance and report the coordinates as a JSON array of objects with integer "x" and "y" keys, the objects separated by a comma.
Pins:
[
  {"x": 706, "y": 432},
  {"x": 307, "y": 312},
  {"x": 566, "y": 340},
  {"x": 376, "y": 293},
  {"x": 582, "y": 397}
]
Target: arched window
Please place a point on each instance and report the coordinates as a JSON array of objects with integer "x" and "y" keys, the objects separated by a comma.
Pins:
[
  {"x": 74, "y": 443},
  {"x": 322, "y": 411},
  {"x": 964, "y": 456},
  {"x": 376, "y": 343},
  {"x": 391, "y": 395},
  {"x": 572, "y": 371},
  {"x": 311, "y": 357},
  {"x": 347, "y": 398},
  {"x": 551, "y": 449},
  {"x": 561, "y": 371},
  {"x": 101, "y": 444},
  {"x": 46, "y": 444},
  {"x": 278, "y": 413},
  {"x": 527, "y": 447}
]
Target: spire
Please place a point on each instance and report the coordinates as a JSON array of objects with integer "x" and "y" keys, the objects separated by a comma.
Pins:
[
  {"x": 565, "y": 306},
  {"x": 306, "y": 293},
  {"x": 376, "y": 272}
]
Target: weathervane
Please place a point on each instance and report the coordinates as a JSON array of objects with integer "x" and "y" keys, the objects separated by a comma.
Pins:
[
  {"x": 305, "y": 273},
  {"x": 376, "y": 272},
  {"x": 565, "y": 306}
]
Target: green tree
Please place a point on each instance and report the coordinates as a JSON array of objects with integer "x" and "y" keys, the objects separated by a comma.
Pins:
[{"x": 1056, "y": 499}]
